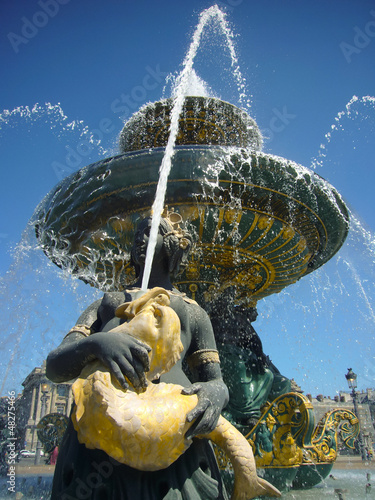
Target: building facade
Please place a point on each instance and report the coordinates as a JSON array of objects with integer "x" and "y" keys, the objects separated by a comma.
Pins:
[{"x": 40, "y": 397}]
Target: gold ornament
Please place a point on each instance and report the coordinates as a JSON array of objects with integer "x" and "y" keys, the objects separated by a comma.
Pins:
[
  {"x": 147, "y": 430},
  {"x": 82, "y": 329}
]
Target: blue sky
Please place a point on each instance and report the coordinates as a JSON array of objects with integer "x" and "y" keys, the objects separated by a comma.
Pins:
[{"x": 96, "y": 62}]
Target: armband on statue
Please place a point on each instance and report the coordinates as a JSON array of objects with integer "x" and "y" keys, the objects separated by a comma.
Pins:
[
  {"x": 84, "y": 330},
  {"x": 203, "y": 357}
]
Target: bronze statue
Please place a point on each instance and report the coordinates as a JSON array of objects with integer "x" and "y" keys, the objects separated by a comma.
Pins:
[
  {"x": 99, "y": 337},
  {"x": 251, "y": 377}
]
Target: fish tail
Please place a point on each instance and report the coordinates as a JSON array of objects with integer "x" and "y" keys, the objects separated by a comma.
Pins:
[{"x": 247, "y": 484}]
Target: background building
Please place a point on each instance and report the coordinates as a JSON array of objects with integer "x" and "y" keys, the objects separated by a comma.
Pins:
[{"x": 40, "y": 397}]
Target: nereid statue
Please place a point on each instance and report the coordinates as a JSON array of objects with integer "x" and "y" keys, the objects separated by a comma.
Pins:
[
  {"x": 148, "y": 386},
  {"x": 251, "y": 377}
]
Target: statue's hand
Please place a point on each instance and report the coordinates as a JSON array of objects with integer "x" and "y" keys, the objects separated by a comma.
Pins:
[
  {"x": 124, "y": 355},
  {"x": 212, "y": 397}
]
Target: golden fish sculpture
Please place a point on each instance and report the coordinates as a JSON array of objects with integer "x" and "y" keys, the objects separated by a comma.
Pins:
[{"x": 146, "y": 430}]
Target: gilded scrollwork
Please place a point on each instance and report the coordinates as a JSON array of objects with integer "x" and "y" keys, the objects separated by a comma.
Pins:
[
  {"x": 334, "y": 424},
  {"x": 285, "y": 436}
]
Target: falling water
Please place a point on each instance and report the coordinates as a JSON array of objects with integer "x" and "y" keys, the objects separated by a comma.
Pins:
[
  {"x": 180, "y": 91},
  {"x": 348, "y": 112},
  {"x": 34, "y": 316},
  {"x": 57, "y": 120},
  {"x": 33, "y": 114},
  {"x": 196, "y": 86},
  {"x": 28, "y": 322},
  {"x": 366, "y": 235},
  {"x": 334, "y": 305}
]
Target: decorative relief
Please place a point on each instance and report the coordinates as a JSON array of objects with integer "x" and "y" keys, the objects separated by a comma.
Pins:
[
  {"x": 263, "y": 257},
  {"x": 343, "y": 423},
  {"x": 249, "y": 233},
  {"x": 203, "y": 121}
]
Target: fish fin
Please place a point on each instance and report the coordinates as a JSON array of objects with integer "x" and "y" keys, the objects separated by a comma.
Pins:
[
  {"x": 266, "y": 488},
  {"x": 260, "y": 488}
]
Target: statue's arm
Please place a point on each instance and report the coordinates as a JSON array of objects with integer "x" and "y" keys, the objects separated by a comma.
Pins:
[
  {"x": 67, "y": 360},
  {"x": 209, "y": 386},
  {"x": 125, "y": 356}
]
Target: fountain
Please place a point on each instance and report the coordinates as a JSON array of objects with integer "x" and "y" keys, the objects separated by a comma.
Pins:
[{"x": 260, "y": 222}]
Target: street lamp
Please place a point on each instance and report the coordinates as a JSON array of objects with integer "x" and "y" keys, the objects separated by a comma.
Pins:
[
  {"x": 44, "y": 398},
  {"x": 351, "y": 378}
]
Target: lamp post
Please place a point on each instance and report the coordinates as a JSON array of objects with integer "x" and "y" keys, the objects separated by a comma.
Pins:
[
  {"x": 43, "y": 409},
  {"x": 351, "y": 378}
]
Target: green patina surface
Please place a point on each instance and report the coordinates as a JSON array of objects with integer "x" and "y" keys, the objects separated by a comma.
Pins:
[{"x": 258, "y": 225}]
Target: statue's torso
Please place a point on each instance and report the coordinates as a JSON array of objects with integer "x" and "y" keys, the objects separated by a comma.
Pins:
[{"x": 184, "y": 310}]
